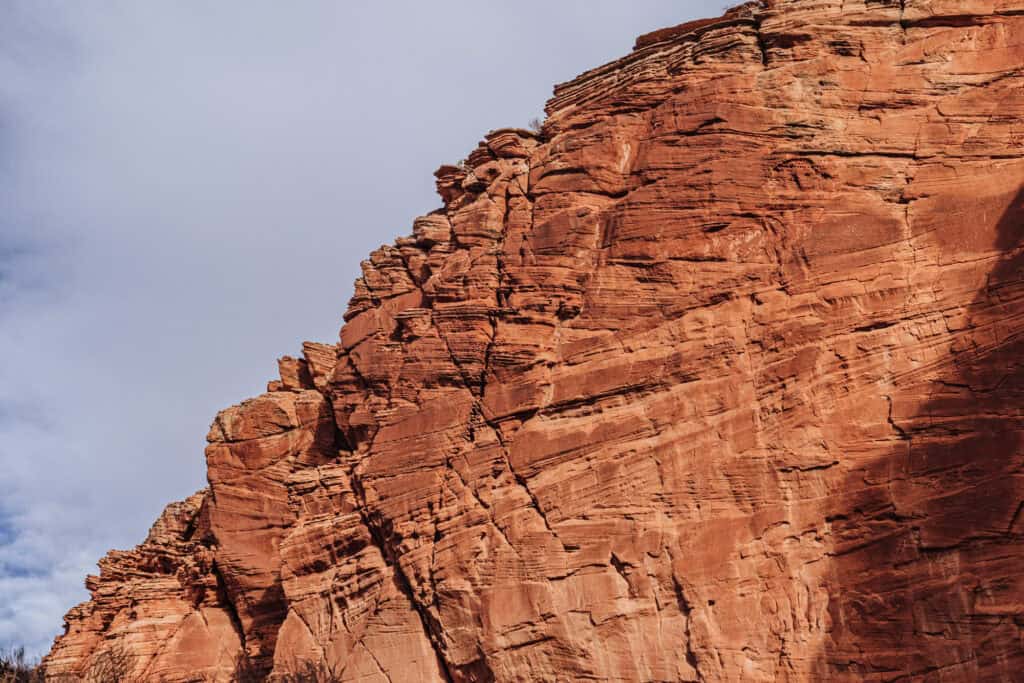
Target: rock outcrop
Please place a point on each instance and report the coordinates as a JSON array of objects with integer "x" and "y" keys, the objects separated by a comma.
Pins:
[{"x": 717, "y": 378}]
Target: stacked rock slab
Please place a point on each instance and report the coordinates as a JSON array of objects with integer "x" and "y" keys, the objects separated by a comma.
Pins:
[{"x": 718, "y": 378}]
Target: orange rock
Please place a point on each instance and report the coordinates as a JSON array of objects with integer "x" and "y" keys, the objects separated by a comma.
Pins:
[
  {"x": 718, "y": 379},
  {"x": 162, "y": 604}
]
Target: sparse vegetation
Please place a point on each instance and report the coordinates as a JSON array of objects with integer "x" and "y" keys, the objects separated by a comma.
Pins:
[
  {"x": 16, "y": 668},
  {"x": 246, "y": 671},
  {"x": 536, "y": 125},
  {"x": 114, "y": 665},
  {"x": 310, "y": 672},
  {"x": 110, "y": 666},
  {"x": 296, "y": 672}
]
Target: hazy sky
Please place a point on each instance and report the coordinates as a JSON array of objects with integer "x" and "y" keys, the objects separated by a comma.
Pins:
[{"x": 186, "y": 191}]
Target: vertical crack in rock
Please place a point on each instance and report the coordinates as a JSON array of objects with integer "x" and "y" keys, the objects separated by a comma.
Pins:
[
  {"x": 762, "y": 46},
  {"x": 430, "y": 628},
  {"x": 903, "y": 434},
  {"x": 225, "y": 599},
  {"x": 478, "y": 410},
  {"x": 687, "y": 612},
  {"x": 519, "y": 478}
]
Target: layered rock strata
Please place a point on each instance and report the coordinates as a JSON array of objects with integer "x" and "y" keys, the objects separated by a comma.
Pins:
[{"x": 715, "y": 379}]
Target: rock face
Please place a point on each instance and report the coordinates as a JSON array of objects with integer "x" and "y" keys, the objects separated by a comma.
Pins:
[{"x": 716, "y": 379}]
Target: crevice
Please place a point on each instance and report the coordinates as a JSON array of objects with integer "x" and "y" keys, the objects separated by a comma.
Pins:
[
  {"x": 687, "y": 611},
  {"x": 430, "y": 628},
  {"x": 903, "y": 434},
  {"x": 519, "y": 478},
  {"x": 160, "y": 651},
  {"x": 954, "y": 20},
  {"x": 873, "y": 327},
  {"x": 810, "y": 468},
  {"x": 477, "y": 411},
  {"x": 360, "y": 642},
  {"x": 529, "y": 643},
  {"x": 483, "y": 506},
  {"x": 698, "y": 259},
  {"x": 1015, "y": 518},
  {"x": 224, "y": 598},
  {"x": 848, "y": 153},
  {"x": 620, "y": 568},
  {"x": 762, "y": 46},
  {"x": 377, "y": 662}
]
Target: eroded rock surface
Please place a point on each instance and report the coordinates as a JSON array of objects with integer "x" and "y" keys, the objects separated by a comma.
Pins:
[{"x": 716, "y": 379}]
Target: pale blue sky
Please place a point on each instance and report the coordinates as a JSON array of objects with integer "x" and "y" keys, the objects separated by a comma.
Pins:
[{"x": 186, "y": 191}]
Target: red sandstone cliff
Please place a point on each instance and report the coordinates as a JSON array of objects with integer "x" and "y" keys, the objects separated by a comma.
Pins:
[{"x": 717, "y": 380}]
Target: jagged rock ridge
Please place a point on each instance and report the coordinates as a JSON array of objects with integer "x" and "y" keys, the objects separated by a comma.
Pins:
[{"x": 717, "y": 379}]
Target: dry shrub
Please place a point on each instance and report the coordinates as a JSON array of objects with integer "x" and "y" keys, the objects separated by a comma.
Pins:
[
  {"x": 310, "y": 672},
  {"x": 296, "y": 672},
  {"x": 113, "y": 665},
  {"x": 15, "y": 668},
  {"x": 246, "y": 671}
]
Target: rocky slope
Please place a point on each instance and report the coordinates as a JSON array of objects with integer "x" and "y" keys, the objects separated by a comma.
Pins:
[{"x": 717, "y": 379}]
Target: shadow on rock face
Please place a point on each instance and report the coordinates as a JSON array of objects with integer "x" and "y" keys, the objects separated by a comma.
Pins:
[{"x": 928, "y": 560}]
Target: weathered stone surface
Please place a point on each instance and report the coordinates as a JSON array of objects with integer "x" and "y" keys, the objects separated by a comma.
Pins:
[
  {"x": 162, "y": 604},
  {"x": 716, "y": 379}
]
